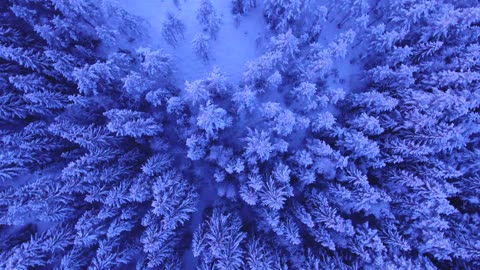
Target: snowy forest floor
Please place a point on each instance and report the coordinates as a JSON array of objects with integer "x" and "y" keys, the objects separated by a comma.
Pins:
[{"x": 236, "y": 43}]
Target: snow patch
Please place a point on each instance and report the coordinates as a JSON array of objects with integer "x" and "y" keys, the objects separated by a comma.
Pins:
[{"x": 237, "y": 42}]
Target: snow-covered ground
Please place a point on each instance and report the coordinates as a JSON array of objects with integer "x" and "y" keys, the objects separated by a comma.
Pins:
[{"x": 235, "y": 45}]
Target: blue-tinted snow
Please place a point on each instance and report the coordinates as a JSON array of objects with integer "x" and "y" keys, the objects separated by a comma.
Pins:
[{"x": 237, "y": 42}]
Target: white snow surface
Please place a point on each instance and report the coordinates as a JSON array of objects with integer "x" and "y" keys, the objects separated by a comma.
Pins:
[{"x": 235, "y": 45}]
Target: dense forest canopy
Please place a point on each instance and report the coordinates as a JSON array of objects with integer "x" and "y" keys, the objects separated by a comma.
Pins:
[{"x": 351, "y": 142}]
